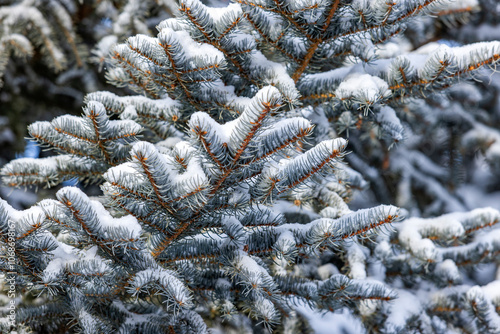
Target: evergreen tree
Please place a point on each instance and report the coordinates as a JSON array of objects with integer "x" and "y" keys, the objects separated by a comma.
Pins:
[{"x": 225, "y": 190}]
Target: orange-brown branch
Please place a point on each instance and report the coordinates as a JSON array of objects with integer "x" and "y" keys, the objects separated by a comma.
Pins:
[{"x": 314, "y": 46}]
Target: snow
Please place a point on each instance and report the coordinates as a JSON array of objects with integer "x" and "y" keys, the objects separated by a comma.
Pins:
[
  {"x": 327, "y": 270},
  {"x": 356, "y": 259},
  {"x": 223, "y": 283},
  {"x": 402, "y": 308},
  {"x": 251, "y": 268},
  {"x": 184, "y": 146},
  {"x": 446, "y": 227},
  {"x": 286, "y": 237},
  {"x": 129, "y": 113},
  {"x": 20, "y": 44},
  {"x": 492, "y": 290},
  {"x": 427, "y": 49},
  {"x": 12, "y": 213},
  {"x": 395, "y": 47},
  {"x": 128, "y": 222},
  {"x": 87, "y": 320},
  {"x": 194, "y": 170},
  {"x": 105, "y": 44},
  {"x": 218, "y": 13},
  {"x": 453, "y": 5},
  {"x": 53, "y": 270},
  {"x": 472, "y": 54},
  {"x": 274, "y": 24},
  {"x": 484, "y": 136},
  {"x": 332, "y": 75},
  {"x": 164, "y": 103},
  {"x": 214, "y": 236},
  {"x": 63, "y": 18},
  {"x": 363, "y": 87},
  {"x": 223, "y": 132},
  {"x": 483, "y": 242},
  {"x": 493, "y": 152},
  {"x": 170, "y": 142},
  {"x": 475, "y": 294},
  {"x": 342, "y": 321},
  {"x": 330, "y": 212},
  {"x": 447, "y": 269},
  {"x": 190, "y": 47},
  {"x": 63, "y": 256},
  {"x": 279, "y": 77},
  {"x": 422, "y": 248},
  {"x": 300, "y": 5},
  {"x": 387, "y": 114},
  {"x": 106, "y": 222},
  {"x": 125, "y": 168},
  {"x": 173, "y": 287}
]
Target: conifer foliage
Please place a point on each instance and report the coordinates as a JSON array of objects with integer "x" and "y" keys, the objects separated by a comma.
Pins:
[{"x": 224, "y": 186}]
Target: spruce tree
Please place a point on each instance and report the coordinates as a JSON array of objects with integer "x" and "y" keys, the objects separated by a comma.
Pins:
[{"x": 225, "y": 186}]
